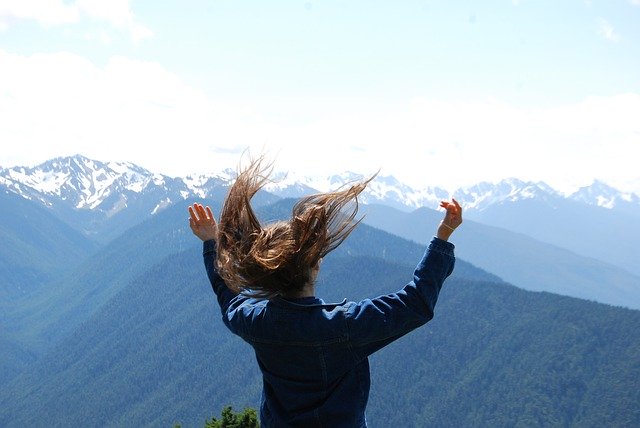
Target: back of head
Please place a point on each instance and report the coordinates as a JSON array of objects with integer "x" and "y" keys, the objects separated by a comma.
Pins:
[{"x": 278, "y": 259}]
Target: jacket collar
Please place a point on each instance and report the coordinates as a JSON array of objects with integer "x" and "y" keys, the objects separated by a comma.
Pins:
[{"x": 304, "y": 303}]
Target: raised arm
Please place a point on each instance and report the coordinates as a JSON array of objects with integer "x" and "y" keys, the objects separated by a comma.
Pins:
[
  {"x": 374, "y": 323},
  {"x": 204, "y": 226}
]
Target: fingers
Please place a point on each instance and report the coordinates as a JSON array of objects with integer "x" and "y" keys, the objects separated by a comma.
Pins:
[
  {"x": 210, "y": 214},
  {"x": 457, "y": 205},
  {"x": 192, "y": 215},
  {"x": 448, "y": 206},
  {"x": 198, "y": 214},
  {"x": 451, "y": 207},
  {"x": 202, "y": 215}
]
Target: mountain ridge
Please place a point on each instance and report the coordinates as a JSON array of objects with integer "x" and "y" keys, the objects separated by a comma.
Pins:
[
  {"x": 103, "y": 200},
  {"x": 519, "y": 259},
  {"x": 95, "y": 182}
]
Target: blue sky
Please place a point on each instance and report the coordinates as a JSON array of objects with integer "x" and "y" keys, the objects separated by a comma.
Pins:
[{"x": 434, "y": 92}]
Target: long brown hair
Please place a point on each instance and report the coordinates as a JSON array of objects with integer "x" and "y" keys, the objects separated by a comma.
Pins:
[{"x": 278, "y": 259}]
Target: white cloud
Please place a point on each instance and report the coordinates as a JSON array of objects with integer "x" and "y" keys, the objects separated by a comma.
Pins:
[
  {"x": 116, "y": 12},
  {"x": 435, "y": 142},
  {"x": 49, "y": 13},
  {"x": 46, "y": 12},
  {"x": 606, "y": 30},
  {"x": 635, "y": 2},
  {"x": 139, "y": 32},
  {"x": 61, "y": 104},
  {"x": 54, "y": 104}
]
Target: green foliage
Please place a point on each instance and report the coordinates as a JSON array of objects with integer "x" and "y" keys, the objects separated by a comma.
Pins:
[
  {"x": 494, "y": 355},
  {"x": 71, "y": 299},
  {"x": 156, "y": 350},
  {"x": 35, "y": 247},
  {"x": 247, "y": 419},
  {"x": 230, "y": 419}
]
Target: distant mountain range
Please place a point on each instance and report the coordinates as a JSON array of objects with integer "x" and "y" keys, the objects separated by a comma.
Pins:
[
  {"x": 108, "y": 187},
  {"x": 518, "y": 258},
  {"x": 103, "y": 199}
]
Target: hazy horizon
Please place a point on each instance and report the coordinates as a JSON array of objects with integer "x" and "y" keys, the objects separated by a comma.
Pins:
[{"x": 435, "y": 94}]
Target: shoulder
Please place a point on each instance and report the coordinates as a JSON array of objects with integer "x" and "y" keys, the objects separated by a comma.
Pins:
[{"x": 245, "y": 304}]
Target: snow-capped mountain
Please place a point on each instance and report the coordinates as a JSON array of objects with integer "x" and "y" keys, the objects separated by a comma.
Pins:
[
  {"x": 385, "y": 190},
  {"x": 81, "y": 182},
  {"x": 86, "y": 192},
  {"x": 603, "y": 195},
  {"x": 87, "y": 184},
  {"x": 89, "y": 191},
  {"x": 484, "y": 195}
]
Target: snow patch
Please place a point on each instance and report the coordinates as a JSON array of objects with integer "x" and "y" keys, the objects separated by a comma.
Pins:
[
  {"x": 605, "y": 202},
  {"x": 158, "y": 179},
  {"x": 161, "y": 205}
]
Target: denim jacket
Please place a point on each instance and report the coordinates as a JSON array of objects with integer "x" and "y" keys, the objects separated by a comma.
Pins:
[{"x": 314, "y": 355}]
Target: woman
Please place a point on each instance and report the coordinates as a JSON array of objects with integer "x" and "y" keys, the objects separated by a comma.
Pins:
[{"x": 313, "y": 355}]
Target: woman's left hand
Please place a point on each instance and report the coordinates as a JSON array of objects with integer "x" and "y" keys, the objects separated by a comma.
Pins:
[{"x": 452, "y": 219}]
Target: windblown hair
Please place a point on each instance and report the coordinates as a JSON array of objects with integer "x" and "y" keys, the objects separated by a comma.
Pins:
[{"x": 278, "y": 259}]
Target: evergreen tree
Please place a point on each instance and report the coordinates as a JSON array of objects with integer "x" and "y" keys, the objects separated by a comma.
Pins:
[{"x": 247, "y": 419}]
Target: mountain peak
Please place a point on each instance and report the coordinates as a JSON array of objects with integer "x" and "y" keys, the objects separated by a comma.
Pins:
[
  {"x": 603, "y": 195},
  {"x": 77, "y": 179},
  {"x": 484, "y": 194},
  {"x": 79, "y": 182}
]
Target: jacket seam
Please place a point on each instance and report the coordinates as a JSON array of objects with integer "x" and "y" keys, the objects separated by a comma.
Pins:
[{"x": 252, "y": 339}]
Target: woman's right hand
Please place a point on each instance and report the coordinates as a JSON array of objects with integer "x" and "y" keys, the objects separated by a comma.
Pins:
[
  {"x": 202, "y": 222},
  {"x": 452, "y": 219}
]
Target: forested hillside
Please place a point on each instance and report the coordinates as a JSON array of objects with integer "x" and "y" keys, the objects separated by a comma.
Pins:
[
  {"x": 494, "y": 355},
  {"x": 36, "y": 248},
  {"x": 133, "y": 337},
  {"x": 71, "y": 298}
]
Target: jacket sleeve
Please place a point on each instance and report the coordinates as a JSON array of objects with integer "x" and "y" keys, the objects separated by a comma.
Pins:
[
  {"x": 223, "y": 293},
  {"x": 374, "y": 323}
]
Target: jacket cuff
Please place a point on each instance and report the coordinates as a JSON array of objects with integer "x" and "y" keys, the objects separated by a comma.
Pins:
[
  {"x": 441, "y": 246},
  {"x": 208, "y": 247}
]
